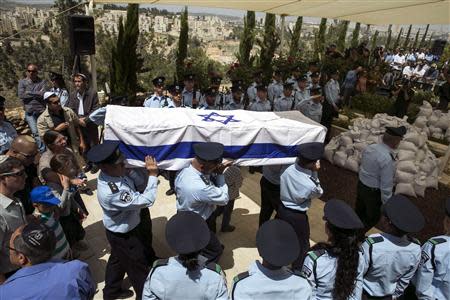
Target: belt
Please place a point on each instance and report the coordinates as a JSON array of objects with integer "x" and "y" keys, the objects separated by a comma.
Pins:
[
  {"x": 125, "y": 234},
  {"x": 294, "y": 210},
  {"x": 375, "y": 297},
  {"x": 368, "y": 187}
]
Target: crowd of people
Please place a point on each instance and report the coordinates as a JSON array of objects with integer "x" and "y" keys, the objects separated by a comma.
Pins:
[{"x": 43, "y": 177}]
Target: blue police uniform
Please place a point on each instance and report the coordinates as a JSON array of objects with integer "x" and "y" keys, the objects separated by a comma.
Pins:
[
  {"x": 259, "y": 105},
  {"x": 233, "y": 106},
  {"x": 284, "y": 103},
  {"x": 251, "y": 92},
  {"x": 156, "y": 101},
  {"x": 301, "y": 95},
  {"x": 263, "y": 283},
  {"x": 274, "y": 90},
  {"x": 390, "y": 263},
  {"x": 50, "y": 280},
  {"x": 298, "y": 186},
  {"x": 169, "y": 279},
  {"x": 432, "y": 279},
  {"x": 187, "y": 97},
  {"x": 320, "y": 268},
  {"x": 311, "y": 109}
]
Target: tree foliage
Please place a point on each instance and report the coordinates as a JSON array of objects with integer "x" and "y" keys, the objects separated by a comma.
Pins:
[
  {"x": 320, "y": 39},
  {"x": 397, "y": 40},
  {"x": 408, "y": 34},
  {"x": 295, "y": 37},
  {"x": 268, "y": 46},
  {"x": 124, "y": 57},
  {"x": 182, "y": 44},
  {"x": 416, "y": 40},
  {"x": 424, "y": 36},
  {"x": 247, "y": 40},
  {"x": 355, "y": 35},
  {"x": 389, "y": 37},
  {"x": 342, "y": 35}
]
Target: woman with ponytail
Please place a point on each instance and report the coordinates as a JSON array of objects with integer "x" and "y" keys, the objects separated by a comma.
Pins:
[
  {"x": 186, "y": 276},
  {"x": 334, "y": 268}
]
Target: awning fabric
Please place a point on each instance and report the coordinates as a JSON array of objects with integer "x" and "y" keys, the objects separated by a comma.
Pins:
[{"x": 364, "y": 11}]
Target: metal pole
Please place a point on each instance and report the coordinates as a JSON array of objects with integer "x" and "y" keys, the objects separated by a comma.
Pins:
[{"x": 90, "y": 12}]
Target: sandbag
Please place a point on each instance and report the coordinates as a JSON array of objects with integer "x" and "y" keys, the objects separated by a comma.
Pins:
[
  {"x": 373, "y": 139},
  {"x": 346, "y": 140},
  {"x": 432, "y": 182},
  {"x": 340, "y": 158},
  {"x": 329, "y": 154},
  {"x": 438, "y": 136},
  {"x": 352, "y": 164},
  {"x": 415, "y": 138},
  {"x": 443, "y": 123},
  {"x": 403, "y": 177},
  {"x": 420, "y": 122},
  {"x": 360, "y": 146},
  {"x": 425, "y": 112},
  {"x": 405, "y": 189},
  {"x": 406, "y": 155},
  {"x": 408, "y": 146},
  {"x": 419, "y": 190},
  {"x": 407, "y": 166}
]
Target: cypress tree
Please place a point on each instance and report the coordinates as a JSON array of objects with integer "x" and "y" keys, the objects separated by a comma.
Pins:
[
  {"x": 355, "y": 35},
  {"x": 293, "y": 47},
  {"x": 182, "y": 44},
  {"x": 389, "y": 37},
  {"x": 424, "y": 36},
  {"x": 342, "y": 36},
  {"x": 430, "y": 41},
  {"x": 320, "y": 45},
  {"x": 124, "y": 56},
  {"x": 416, "y": 39},
  {"x": 406, "y": 43},
  {"x": 374, "y": 40},
  {"x": 397, "y": 40},
  {"x": 268, "y": 46},
  {"x": 247, "y": 40}
]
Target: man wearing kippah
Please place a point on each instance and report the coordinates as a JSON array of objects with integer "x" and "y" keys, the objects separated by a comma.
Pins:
[{"x": 30, "y": 248}]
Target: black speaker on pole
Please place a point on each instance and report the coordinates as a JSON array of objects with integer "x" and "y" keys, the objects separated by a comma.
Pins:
[
  {"x": 438, "y": 47},
  {"x": 82, "y": 35}
]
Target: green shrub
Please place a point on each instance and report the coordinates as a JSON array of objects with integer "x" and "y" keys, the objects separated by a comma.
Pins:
[
  {"x": 371, "y": 104},
  {"x": 420, "y": 96}
]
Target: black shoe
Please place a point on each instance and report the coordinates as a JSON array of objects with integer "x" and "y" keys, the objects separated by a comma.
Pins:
[
  {"x": 94, "y": 169},
  {"x": 125, "y": 294},
  {"x": 170, "y": 192},
  {"x": 86, "y": 190},
  {"x": 87, "y": 168},
  {"x": 229, "y": 228}
]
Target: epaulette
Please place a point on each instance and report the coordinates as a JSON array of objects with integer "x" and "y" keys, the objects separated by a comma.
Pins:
[
  {"x": 160, "y": 262},
  {"x": 240, "y": 276},
  {"x": 316, "y": 182},
  {"x": 414, "y": 240},
  {"x": 300, "y": 273},
  {"x": 374, "y": 240},
  {"x": 316, "y": 254},
  {"x": 214, "y": 267},
  {"x": 205, "y": 180},
  {"x": 113, "y": 187},
  {"x": 437, "y": 241}
]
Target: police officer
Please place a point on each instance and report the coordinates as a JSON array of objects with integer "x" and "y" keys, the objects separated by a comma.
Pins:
[
  {"x": 391, "y": 258},
  {"x": 251, "y": 90},
  {"x": 433, "y": 275},
  {"x": 295, "y": 74},
  {"x": 157, "y": 100},
  {"x": 312, "y": 107},
  {"x": 7, "y": 131},
  {"x": 275, "y": 88},
  {"x": 187, "y": 275},
  {"x": 190, "y": 97},
  {"x": 175, "y": 99},
  {"x": 335, "y": 268},
  {"x": 236, "y": 98},
  {"x": 271, "y": 279},
  {"x": 301, "y": 91},
  {"x": 315, "y": 81},
  {"x": 215, "y": 81},
  {"x": 285, "y": 101},
  {"x": 121, "y": 205},
  {"x": 376, "y": 176},
  {"x": 261, "y": 103},
  {"x": 210, "y": 100},
  {"x": 300, "y": 184},
  {"x": 201, "y": 186}
]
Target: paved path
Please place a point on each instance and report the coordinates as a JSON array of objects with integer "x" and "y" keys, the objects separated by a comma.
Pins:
[{"x": 239, "y": 250}]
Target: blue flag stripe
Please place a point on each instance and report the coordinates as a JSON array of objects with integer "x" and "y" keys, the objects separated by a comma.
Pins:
[{"x": 185, "y": 150}]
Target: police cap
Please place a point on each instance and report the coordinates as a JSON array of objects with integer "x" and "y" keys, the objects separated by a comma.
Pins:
[
  {"x": 189, "y": 77},
  {"x": 187, "y": 232},
  {"x": 236, "y": 88},
  {"x": 341, "y": 215},
  {"x": 403, "y": 214},
  {"x": 396, "y": 131},
  {"x": 302, "y": 78},
  {"x": 211, "y": 92},
  {"x": 315, "y": 74},
  {"x": 311, "y": 151},
  {"x": 159, "y": 81},
  {"x": 288, "y": 85},
  {"x": 277, "y": 243},
  {"x": 107, "y": 152},
  {"x": 209, "y": 151},
  {"x": 175, "y": 89}
]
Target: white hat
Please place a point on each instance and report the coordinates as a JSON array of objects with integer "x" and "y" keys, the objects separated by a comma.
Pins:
[{"x": 48, "y": 95}]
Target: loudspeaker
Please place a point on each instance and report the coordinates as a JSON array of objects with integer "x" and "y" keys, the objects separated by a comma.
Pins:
[
  {"x": 82, "y": 35},
  {"x": 438, "y": 47}
]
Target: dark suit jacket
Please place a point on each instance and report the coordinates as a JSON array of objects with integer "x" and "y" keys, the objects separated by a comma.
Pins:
[{"x": 90, "y": 103}]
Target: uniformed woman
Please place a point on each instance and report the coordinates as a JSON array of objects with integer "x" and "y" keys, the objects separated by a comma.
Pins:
[
  {"x": 433, "y": 276},
  {"x": 186, "y": 276},
  {"x": 335, "y": 268}
]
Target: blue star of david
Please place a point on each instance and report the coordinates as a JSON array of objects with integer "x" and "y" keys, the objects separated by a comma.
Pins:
[{"x": 215, "y": 117}]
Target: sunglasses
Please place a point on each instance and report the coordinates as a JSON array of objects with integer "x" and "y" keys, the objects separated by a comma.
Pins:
[{"x": 15, "y": 174}]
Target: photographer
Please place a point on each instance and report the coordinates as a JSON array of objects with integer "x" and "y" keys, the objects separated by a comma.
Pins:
[{"x": 403, "y": 92}]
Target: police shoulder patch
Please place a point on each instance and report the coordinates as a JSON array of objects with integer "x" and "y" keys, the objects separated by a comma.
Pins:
[
  {"x": 241, "y": 276},
  {"x": 125, "y": 197},
  {"x": 305, "y": 272},
  {"x": 214, "y": 267},
  {"x": 205, "y": 180}
]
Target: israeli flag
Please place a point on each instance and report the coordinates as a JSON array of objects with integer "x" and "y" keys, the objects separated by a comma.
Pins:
[{"x": 250, "y": 138}]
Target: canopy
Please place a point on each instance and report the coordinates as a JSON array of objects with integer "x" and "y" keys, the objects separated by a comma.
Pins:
[{"x": 364, "y": 11}]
